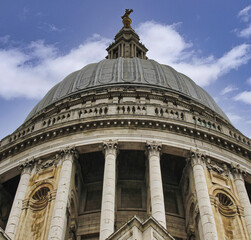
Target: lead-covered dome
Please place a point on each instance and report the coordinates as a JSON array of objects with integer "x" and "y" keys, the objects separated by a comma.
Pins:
[{"x": 127, "y": 71}]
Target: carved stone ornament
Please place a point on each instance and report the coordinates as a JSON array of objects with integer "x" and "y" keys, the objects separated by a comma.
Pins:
[
  {"x": 70, "y": 150},
  {"x": 110, "y": 147},
  {"x": 195, "y": 157},
  {"x": 225, "y": 205},
  {"x": 222, "y": 169},
  {"x": 41, "y": 165},
  {"x": 191, "y": 232},
  {"x": 40, "y": 199},
  {"x": 153, "y": 148},
  {"x": 27, "y": 165},
  {"x": 238, "y": 172}
]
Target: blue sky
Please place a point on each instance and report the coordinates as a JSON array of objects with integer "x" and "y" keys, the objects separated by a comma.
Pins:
[{"x": 43, "y": 41}]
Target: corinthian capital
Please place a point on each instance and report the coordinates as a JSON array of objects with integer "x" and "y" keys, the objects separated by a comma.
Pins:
[
  {"x": 238, "y": 172},
  {"x": 110, "y": 147},
  {"x": 153, "y": 148},
  {"x": 69, "y": 151},
  {"x": 27, "y": 165},
  {"x": 195, "y": 157}
]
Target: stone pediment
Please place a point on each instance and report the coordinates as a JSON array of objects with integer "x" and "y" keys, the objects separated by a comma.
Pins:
[{"x": 149, "y": 229}]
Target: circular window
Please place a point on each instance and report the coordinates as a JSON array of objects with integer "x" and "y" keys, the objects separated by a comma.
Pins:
[
  {"x": 41, "y": 193},
  {"x": 224, "y": 199}
]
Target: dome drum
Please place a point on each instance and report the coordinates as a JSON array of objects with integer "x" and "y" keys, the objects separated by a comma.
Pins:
[{"x": 130, "y": 104}]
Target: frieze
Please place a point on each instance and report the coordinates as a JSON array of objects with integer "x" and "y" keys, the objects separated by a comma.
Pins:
[{"x": 55, "y": 133}]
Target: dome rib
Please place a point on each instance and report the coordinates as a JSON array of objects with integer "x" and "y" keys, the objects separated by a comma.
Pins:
[{"x": 127, "y": 71}]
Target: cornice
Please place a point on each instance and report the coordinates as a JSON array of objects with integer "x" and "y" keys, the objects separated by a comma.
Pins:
[{"x": 128, "y": 121}]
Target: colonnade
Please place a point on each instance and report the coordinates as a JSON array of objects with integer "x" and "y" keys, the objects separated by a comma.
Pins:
[
  {"x": 107, "y": 220},
  {"x": 133, "y": 51}
]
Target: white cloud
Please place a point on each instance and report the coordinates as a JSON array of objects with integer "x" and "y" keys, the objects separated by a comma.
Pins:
[
  {"x": 245, "y": 13},
  {"x": 169, "y": 47},
  {"x": 163, "y": 41},
  {"x": 245, "y": 16},
  {"x": 31, "y": 71},
  {"x": 246, "y": 32},
  {"x": 244, "y": 97},
  {"x": 233, "y": 117},
  {"x": 228, "y": 89}
]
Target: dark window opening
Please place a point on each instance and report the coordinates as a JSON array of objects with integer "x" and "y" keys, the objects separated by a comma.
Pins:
[
  {"x": 131, "y": 198},
  {"x": 93, "y": 200}
]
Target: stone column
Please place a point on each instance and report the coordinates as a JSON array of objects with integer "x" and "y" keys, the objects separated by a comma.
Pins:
[
  {"x": 209, "y": 231},
  {"x": 122, "y": 49},
  {"x": 59, "y": 215},
  {"x": 238, "y": 175},
  {"x": 132, "y": 55},
  {"x": 155, "y": 181},
  {"x": 109, "y": 186},
  {"x": 16, "y": 209},
  {"x": 119, "y": 51}
]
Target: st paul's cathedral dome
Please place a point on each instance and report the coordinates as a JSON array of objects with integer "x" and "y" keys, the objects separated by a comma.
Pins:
[{"x": 126, "y": 148}]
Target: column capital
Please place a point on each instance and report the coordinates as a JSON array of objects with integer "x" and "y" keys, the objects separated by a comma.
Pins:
[
  {"x": 153, "y": 148},
  {"x": 27, "y": 165},
  {"x": 238, "y": 172},
  {"x": 110, "y": 147},
  {"x": 69, "y": 153},
  {"x": 196, "y": 157}
]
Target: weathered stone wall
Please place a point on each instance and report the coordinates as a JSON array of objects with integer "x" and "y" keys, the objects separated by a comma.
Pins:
[{"x": 38, "y": 204}]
